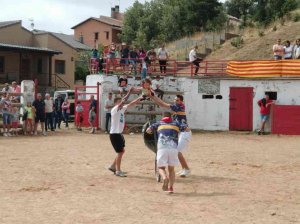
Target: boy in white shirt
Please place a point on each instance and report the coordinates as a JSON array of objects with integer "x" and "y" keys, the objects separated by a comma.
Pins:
[
  {"x": 156, "y": 85},
  {"x": 116, "y": 130}
]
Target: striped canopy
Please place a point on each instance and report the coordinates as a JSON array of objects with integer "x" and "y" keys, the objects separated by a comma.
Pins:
[{"x": 261, "y": 69}]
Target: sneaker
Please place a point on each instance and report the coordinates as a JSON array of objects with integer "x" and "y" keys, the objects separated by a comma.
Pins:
[
  {"x": 94, "y": 130},
  {"x": 9, "y": 134},
  {"x": 112, "y": 169},
  {"x": 5, "y": 134},
  {"x": 35, "y": 133},
  {"x": 44, "y": 133},
  {"x": 185, "y": 173},
  {"x": 170, "y": 190},
  {"x": 179, "y": 172},
  {"x": 165, "y": 184},
  {"x": 106, "y": 132},
  {"x": 91, "y": 131},
  {"x": 120, "y": 174}
]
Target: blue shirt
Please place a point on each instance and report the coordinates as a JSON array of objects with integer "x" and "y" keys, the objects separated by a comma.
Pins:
[
  {"x": 179, "y": 112},
  {"x": 168, "y": 133}
]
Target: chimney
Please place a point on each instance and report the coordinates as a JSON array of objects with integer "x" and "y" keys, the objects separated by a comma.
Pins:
[
  {"x": 117, "y": 8},
  {"x": 113, "y": 13}
]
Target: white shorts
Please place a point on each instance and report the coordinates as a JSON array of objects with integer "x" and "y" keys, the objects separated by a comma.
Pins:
[
  {"x": 184, "y": 141},
  {"x": 167, "y": 157}
]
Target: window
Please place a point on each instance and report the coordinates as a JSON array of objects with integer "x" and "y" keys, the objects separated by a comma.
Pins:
[
  {"x": 40, "y": 66},
  {"x": 272, "y": 95},
  {"x": 107, "y": 35},
  {"x": 1, "y": 64},
  {"x": 96, "y": 36},
  {"x": 59, "y": 67},
  {"x": 207, "y": 96}
]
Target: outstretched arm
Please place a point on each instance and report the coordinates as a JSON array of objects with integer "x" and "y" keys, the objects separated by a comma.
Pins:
[
  {"x": 134, "y": 102},
  {"x": 160, "y": 102}
]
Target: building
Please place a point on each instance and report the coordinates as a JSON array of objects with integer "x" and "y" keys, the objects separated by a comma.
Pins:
[
  {"x": 100, "y": 31},
  {"x": 44, "y": 56}
]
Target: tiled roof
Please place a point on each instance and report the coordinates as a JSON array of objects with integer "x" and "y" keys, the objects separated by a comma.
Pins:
[
  {"x": 9, "y": 23},
  {"x": 28, "y": 48},
  {"x": 103, "y": 19},
  {"x": 68, "y": 39}
]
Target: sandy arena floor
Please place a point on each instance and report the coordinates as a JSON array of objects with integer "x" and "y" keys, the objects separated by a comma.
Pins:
[{"x": 236, "y": 178}]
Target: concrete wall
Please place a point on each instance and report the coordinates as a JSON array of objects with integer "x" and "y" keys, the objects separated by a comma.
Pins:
[
  {"x": 207, "y": 114},
  {"x": 88, "y": 30},
  {"x": 16, "y": 34}
]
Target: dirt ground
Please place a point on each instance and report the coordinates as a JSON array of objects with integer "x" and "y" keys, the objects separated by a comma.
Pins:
[{"x": 62, "y": 178}]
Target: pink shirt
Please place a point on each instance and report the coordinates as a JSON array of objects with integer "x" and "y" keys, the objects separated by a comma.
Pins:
[
  {"x": 17, "y": 89},
  {"x": 278, "y": 50},
  {"x": 66, "y": 107}
]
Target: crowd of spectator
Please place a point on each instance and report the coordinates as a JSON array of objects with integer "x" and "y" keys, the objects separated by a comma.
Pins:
[
  {"x": 129, "y": 58},
  {"x": 287, "y": 50}
]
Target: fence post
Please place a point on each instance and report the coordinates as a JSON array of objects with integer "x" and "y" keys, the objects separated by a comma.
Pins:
[{"x": 98, "y": 109}]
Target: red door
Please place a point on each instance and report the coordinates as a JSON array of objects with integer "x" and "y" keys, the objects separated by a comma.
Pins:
[{"x": 241, "y": 109}]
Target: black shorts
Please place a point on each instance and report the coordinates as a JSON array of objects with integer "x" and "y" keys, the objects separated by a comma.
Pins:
[
  {"x": 118, "y": 142},
  {"x": 40, "y": 117}
]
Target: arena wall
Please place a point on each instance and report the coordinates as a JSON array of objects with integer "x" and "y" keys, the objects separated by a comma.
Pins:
[{"x": 203, "y": 113}]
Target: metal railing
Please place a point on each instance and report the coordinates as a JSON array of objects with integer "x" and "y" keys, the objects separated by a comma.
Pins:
[{"x": 59, "y": 83}]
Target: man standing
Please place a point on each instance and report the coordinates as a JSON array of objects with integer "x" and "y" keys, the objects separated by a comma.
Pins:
[
  {"x": 109, "y": 104},
  {"x": 156, "y": 85},
  {"x": 49, "y": 112},
  {"x": 58, "y": 110},
  {"x": 194, "y": 59},
  {"x": 167, "y": 144},
  {"x": 278, "y": 50},
  {"x": 6, "y": 106},
  {"x": 178, "y": 109},
  {"x": 39, "y": 106},
  {"x": 116, "y": 130},
  {"x": 163, "y": 56}
]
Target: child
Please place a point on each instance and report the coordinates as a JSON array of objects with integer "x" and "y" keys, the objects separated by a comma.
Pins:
[
  {"x": 146, "y": 89},
  {"x": 92, "y": 118},
  {"x": 123, "y": 82},
  {"x": 15, "y": 120},
  {"x": 144, "y": 68},
  {"x": 28, "y": 117},
  {"x": 79, "y": 116}
]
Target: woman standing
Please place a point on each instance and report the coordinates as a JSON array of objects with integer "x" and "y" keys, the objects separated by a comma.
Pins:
[
  {"x": 163, "y": 57},
  {"x": 66, "y": 111}
]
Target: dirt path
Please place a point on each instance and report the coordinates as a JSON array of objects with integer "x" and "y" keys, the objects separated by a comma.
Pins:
[{"x": 236, "y": 178}]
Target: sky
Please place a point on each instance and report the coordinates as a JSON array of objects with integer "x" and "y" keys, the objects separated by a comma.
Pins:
[{"x": 57, "y": 15}]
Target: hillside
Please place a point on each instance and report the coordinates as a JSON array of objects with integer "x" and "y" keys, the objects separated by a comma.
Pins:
[{"x": 256, "y": 46}]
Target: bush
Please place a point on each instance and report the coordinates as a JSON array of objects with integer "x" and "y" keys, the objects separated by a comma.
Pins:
[
  {"x": 296, "y": 17},
  {"x": 274, "y": 28},
  {"x": 237, "y": 42},
  {"x": 261, "y": 33}
]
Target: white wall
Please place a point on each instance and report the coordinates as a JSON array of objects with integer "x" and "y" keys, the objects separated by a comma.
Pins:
[{"x": 212, "y": 114}]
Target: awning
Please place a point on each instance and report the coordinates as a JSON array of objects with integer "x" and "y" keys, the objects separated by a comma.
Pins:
[{"x": 22, "y": 48}]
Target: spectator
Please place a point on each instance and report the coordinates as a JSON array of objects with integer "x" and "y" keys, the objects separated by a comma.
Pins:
[
  {"x": 66, "y": 111},
  {"x": 49, "y": 112},
  {"x": 133, "y": 58},
  {"x": 156, "y": 85},
  {"x": 40, "y": 115},
  {"x": 194, "y": 59},
  {"x": 16, "y": 89},
  {"x": 151, "y": 54},
  {"x": 107, "y": 107},
  {"x": 94, "y": 53},
  {"x": 265, "y": 110},
  {"x": 163, "y": 56},
  {"x": 288, "y": 50},
  {"x": 142, "y": 53},
  {"x": 28, "y": 117},
  {"x": 15, "y": 120},
  {"x": 92, "y": 118},
  {"x": 144, "y": 68},
  {"x": 100, "y": 62},
  {"x": 6, "y": 114},
  {"x": 93, "y": 102},
  {"x": 123, "y": 85},
  {"x": 79, "y": 116},
  {"x": 278, "y": 50},
  {"x": 7, "y": 88},
  {"x": 296, "y": 52},
  {"x": 124, "y": 56},
  {"x": 58, "y": 110}
]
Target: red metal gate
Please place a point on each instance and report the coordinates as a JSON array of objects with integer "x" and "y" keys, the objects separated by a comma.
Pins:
[
  {"x": 286, "y": 119},
  {"x": 83, "y": 94},
  {"x": 241, "y": 109}
]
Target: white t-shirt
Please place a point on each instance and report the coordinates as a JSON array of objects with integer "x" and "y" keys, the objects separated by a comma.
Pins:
[
  {"x": 193, "y": 55},
  {"x": 109, "y": 103},
  {"x": 288, "y": 51},
  {"x": 117, "y": 120},
  {"x": 156, "y": 83},
  {"x": 162, "y": 54},
  {"x": 48, "y": 106}
]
